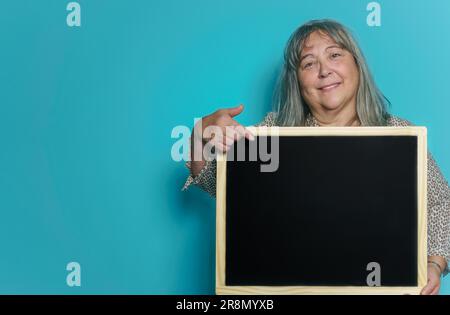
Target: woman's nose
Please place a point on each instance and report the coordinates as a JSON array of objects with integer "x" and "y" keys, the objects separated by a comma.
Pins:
[{"x": 324, "y": 71}]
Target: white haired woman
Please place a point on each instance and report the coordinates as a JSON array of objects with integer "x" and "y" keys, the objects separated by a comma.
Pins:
[{"x": 325, "y": 81}]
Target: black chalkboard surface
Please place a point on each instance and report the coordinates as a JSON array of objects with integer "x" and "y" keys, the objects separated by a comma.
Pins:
[{"x": 334, "y": 205}]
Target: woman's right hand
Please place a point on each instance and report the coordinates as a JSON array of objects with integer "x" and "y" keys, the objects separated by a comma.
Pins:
[
  {"x": 218, "y": 129},
  {"x": 222, "y": 121}
]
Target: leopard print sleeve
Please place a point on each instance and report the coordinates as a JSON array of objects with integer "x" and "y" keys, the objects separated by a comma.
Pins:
[
  {"x": 438, "y": 212},
  {"x": 206, "y": 179},
  {"x": 438, "y": 205}
]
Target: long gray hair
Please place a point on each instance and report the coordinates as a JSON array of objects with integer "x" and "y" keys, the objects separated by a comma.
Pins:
[{"x": 292, "y": 109}]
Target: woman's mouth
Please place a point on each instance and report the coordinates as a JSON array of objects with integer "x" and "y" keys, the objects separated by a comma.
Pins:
[{"x": 329, "y": 87}]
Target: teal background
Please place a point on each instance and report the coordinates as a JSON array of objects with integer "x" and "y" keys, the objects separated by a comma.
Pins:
[{"x": 86, "y": 116}]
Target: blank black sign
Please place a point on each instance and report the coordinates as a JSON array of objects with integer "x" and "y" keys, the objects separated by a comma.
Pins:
[{"x": 335, "y": 204}]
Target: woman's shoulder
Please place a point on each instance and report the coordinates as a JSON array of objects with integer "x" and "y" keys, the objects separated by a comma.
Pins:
[
  {"x": 269, "y": 120},
  {"x": 398, "y": 122}
]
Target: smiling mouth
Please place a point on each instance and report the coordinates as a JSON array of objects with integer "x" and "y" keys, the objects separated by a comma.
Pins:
[{"x": 329, "y": 87}]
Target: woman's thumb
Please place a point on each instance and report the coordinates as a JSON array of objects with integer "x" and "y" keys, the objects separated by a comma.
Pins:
[{"x": 235, "y": 110}]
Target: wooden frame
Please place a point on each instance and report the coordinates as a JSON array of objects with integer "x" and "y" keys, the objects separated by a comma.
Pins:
[{"x": 420, "y": 132}]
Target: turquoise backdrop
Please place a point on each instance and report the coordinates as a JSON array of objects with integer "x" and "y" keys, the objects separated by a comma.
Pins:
[{"x": 86, "y": 115}]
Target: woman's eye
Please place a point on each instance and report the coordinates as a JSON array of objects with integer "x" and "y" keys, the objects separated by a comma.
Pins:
[
  {"x": 335, "y": 55},
  {"x": 307, "y": 65}
]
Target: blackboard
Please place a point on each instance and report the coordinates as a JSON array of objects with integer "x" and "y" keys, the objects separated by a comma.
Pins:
[{"x": 340, "y": 199}]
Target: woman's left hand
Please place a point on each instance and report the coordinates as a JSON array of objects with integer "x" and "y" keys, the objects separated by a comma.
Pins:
[{"x": 434, "y": 281}]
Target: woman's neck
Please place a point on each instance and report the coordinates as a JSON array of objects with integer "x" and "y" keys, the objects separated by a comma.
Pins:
[{"x": 342, "y": 119}]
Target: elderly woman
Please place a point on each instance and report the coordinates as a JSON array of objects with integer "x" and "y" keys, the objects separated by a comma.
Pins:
[{"x": 325, "y": 81}]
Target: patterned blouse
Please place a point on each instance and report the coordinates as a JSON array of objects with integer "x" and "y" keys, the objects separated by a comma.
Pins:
[{"x": 438, "y": 191}]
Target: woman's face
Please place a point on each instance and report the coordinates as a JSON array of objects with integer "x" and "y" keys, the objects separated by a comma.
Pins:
[{"x": 328, "y": 75}]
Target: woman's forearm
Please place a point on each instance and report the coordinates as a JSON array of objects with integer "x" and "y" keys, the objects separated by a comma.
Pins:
[
  {"x": 197, "y": 159},
  {"x": 439, "y": 260}
]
